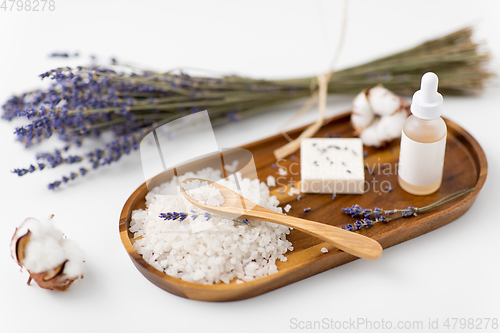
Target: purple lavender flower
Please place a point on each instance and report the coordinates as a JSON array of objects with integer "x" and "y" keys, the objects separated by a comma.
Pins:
[
  {"x": 368, "y": 223},
  {"x": 20, "y": 172},
  {"x": 62, "y": 55},
  {"x": 208, "y": 215},
  {"x": 54, "y": 185},
  {"x": 180, "y": 216},
  {"x": 358, "y": 225},
  {"x": 173, "y": 216}
]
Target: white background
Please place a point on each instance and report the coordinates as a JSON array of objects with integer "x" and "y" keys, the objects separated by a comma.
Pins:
[{"x": 451, "y": 272}]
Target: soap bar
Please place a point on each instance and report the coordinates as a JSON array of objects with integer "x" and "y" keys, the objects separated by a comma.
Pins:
[{"x": 332, "y": 165}]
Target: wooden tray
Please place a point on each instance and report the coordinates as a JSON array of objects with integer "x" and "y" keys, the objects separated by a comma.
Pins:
[{"x": 465, "y": 167}]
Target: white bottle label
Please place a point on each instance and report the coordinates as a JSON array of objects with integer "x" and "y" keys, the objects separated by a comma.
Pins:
[{"x": 421, "y": 164}]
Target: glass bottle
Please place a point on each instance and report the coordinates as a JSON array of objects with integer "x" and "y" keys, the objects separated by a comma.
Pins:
[{"x": 423, "y": 141}]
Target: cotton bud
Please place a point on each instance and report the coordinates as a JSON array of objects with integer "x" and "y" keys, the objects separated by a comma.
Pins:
[
  {"x": 52, "y": 260},
  {"x": 378, "y": 116}
]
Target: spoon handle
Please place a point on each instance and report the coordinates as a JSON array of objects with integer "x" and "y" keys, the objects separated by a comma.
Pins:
[{"x": 348, "y": 241}]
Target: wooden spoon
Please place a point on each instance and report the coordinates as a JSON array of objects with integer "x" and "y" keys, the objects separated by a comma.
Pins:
[{"x": 236, "y": 205}]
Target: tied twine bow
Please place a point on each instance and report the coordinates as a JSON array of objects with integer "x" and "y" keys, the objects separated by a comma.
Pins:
[{"x": 319, "y": 96}]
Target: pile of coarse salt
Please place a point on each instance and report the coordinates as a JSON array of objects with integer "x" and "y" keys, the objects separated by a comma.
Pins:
[
  {"x": 203, "y": 193},
  {"x": 224, "y": 250}
]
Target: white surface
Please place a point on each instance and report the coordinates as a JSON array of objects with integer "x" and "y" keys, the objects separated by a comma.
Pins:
[{"x": 451, "y": 272}]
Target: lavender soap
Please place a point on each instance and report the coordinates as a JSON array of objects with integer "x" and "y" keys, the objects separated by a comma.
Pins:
[{"x": 330, "y": 165}]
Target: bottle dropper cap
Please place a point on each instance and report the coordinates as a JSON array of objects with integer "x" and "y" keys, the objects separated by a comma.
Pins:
[{"x": 427, "y": 103}]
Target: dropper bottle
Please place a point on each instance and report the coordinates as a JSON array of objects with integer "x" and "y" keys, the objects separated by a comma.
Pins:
[{"x": 423, "y": 141}]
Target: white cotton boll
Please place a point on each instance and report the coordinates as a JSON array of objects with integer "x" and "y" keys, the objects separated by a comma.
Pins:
[
  {"x": 384, "y": 129},
  {"x": 370, "y": 136},
  {"x": 382, "y": 101},
  {"x": 384, "y": 123},
  {"x": 42, "y": 254},
  {"x": 362, "y": 113},
  {"x": 27, "y": 225},
  {"x": 76, "y": 257},
  {"x": 49, "y": 229},
  {"x": 390, "y": 127},
  {"x": 53, "y": 262}
]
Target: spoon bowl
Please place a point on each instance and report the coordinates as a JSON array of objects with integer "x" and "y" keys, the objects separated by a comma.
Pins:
[{"x": 237, "y": 206}]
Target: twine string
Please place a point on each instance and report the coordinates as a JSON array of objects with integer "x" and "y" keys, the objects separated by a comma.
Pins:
[{"x": 319, "y": 95}]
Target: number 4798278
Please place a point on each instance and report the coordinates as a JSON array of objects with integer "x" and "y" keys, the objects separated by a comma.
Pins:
[{"x": 28, "y": 5}]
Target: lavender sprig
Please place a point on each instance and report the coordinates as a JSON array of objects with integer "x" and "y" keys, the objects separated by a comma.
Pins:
[
  {"x": 181, "y": 216},
  {"x": 96, "y": 158},
  {"x": 368, "y": 217}
]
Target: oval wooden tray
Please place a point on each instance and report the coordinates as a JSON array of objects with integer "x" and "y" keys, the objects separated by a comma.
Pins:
[{"x": 465, "y": 167}]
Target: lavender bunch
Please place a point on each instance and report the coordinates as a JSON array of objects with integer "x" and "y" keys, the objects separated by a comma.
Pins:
[
  {"x": 180, "y": 216},
  {"x": 87, "y": 101},
  {"x": 84, "y": 102},
  {"x": 368, "y": 217}
]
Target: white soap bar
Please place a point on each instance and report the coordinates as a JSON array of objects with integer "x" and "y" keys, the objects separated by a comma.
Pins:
[{"x": 330, "y": 165}]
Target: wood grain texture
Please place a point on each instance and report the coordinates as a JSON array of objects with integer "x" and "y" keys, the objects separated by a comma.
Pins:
[
  {"x": 465, "y": 167},
  {"x": 237, "y": 206}
]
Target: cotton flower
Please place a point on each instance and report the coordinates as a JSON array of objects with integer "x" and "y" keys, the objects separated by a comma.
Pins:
[
  {"x": 52, "y": 260},
  {"x": 378, "y": 115}
]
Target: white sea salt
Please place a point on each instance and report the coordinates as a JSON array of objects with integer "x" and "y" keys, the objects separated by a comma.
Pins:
[
  {"x": 223, "y": 250},
  {"x": 232, "y": 167},
  {"x": 203, "y": 193},
  {"x": 287, "y": 208},
  {"x": 271, "y": 181},
  {"x": 324, "y": 250}
]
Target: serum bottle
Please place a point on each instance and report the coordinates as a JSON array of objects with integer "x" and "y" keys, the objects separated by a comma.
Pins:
[{"x": 423, "y": 141}]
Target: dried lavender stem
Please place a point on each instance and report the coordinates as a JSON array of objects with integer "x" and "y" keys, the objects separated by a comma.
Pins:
[{"x": 356, "y": 211}]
